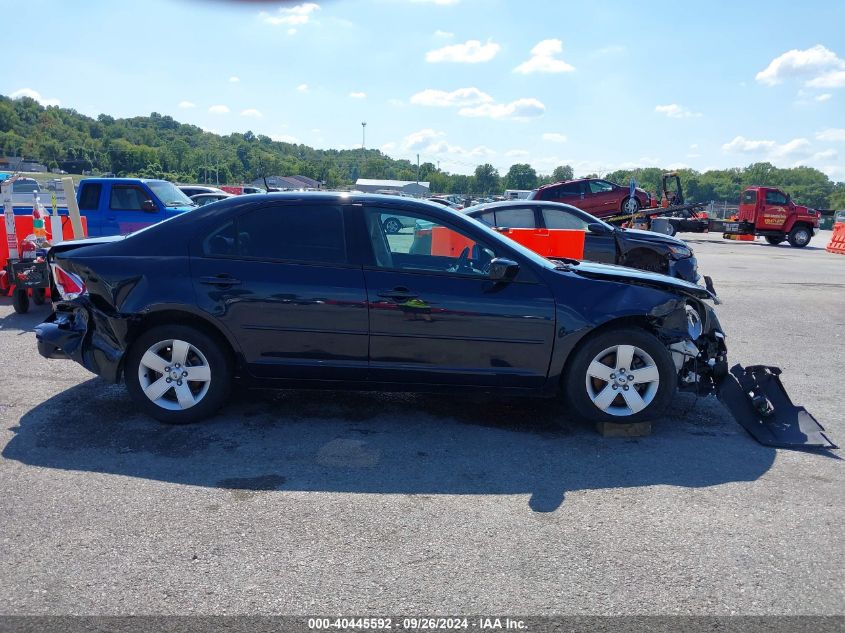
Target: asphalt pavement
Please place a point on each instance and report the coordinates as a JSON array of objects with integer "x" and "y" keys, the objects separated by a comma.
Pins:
[{"x": 311, "y": 503}]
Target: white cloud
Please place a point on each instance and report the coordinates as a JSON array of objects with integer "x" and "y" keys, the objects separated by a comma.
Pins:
[
  {"x": 302, "y": 88},
  {"x": 284, "y": 138},
  {"x": 432, "y": 143},
  {"x": 771, "y": 149},
  {"x": 358, "y": 95},
  {"x": 517, "y": 153},
  {"x": 555, "y": 137},
  {"x": 459, "y": 97},
  {"x": 544, "y": 59},
  {"x": 233, "y": 79},
  {"x": 417, "y": 140},
  {"x": 675, "y": 111},
  {"x": 470, "y": 52},
  {"x": 387, "y": 147},
  {"x": 819, "y": 65},
  {"x": 827, "y": 154},
  {"x": 519, "y": 109},
  {"x": 833, "y": 79},
  {"x": 832, "y": 134},
  {"x": 292, "y": 16},
  {"x": 824, "y": 97},
  {"x": 186, "y": 105},
  {"x": 292, "y": 31},
  {"x": 252, "y": 112},
  {"x": 34, "y": 94},
  {"x": 219, "y": 109},
  {"x": 443, "y": 34}
]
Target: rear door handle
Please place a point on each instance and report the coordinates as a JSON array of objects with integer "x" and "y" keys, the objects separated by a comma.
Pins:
[
  {"x": 399, "y": 292},
  {"x": 220, "y": 280}
]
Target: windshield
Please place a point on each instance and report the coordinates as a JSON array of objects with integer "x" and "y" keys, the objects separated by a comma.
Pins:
[
  {"x": 169, "y": 194},
  {"x": 24, "y": 186}
]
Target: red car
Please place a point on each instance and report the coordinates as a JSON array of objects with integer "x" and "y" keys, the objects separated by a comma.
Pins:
[{"x": 601, "y": 198}]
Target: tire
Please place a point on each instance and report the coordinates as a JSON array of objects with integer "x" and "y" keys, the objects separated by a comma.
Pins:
[
  {"x": 200, "y": 398},
  {"x": 39, "y": 296},
  {"x": 392, "y": 226},
  {"x": 595, "y": 399},
  {"x": 774, "y": 241},
  {"x": 799, "y": 236},
  {"x": 633, "y": 203},
  {"x": 20, "y": 301}
]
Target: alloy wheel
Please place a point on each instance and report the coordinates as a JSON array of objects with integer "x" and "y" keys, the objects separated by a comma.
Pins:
[
  {"x": 622, "y": 380},
  {"x": 174, "y": 374}
]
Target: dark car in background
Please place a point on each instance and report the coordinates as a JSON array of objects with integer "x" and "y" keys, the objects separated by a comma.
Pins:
[
  {"x": 309, "y": 290},
  {"x": 600, "y": 197},
  {"x": 602, "y": 242},
  {"x": 202, "y": 199}
]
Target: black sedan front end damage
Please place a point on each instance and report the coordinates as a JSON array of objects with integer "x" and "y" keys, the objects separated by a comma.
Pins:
[{"x": 755, "y": 396}]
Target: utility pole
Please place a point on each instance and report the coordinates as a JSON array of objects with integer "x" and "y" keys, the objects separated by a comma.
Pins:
[
  {"x": 363, "y": 135},
  {"x": 418, "y": 169}
]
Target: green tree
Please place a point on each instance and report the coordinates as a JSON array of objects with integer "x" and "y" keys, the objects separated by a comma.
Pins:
[
  {"x": 521, "y": 176},
  {"x": 562, "y": 172},
  {"x": 486, "y": 179}
]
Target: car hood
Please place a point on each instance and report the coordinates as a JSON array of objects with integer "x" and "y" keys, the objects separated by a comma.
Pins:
[
  {"x": 651, "y": 236},
  {"x": 635, "y": 276}
]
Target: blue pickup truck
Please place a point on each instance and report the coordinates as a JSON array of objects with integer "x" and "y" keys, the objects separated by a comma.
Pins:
[{"x": 114, "y": 206}]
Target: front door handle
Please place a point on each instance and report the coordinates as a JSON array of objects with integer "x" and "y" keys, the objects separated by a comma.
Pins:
[
  {"x": 399, "y": 293},
  {"x": 220, "y": 280}
]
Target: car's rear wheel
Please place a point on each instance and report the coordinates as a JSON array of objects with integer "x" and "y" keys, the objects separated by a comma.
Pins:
[
  {"x": 392, "y": 226},
  {"x": 774, "y": 241},
  {"x": 630, "y": 205},
  {"x": 799, "y": 236},
  {"x": 621, "y": 375},
  {"x": 178, "y": 374}
]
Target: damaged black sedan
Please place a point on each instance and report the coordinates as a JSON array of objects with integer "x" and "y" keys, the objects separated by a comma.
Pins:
[{"x": 310, "y": 291}]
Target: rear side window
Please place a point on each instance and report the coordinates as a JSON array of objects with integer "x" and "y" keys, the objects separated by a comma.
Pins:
[
  {"x": 749, "y": 197},
  {"x": 313, "y": 234},
  {"x": 89, "y": 196},
  {"x": 520, "y": 218}
]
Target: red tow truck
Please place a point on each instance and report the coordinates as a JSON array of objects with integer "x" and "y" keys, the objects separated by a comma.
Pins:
[{"x": 771, "y": 213}]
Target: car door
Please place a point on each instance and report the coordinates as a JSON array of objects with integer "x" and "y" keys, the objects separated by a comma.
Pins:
[
  {"x": 774, "y": 211},
  {"x": 278, "y": 276},
  {"x": 598, "y": 247},
  {"x": 436, "y": 318},
  {"x": 603, "y": 200},
  {"x": 125, "y": 212}
]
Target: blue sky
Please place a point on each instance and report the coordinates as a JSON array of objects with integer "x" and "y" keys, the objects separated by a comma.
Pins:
[{"x": 598, "y": 85}]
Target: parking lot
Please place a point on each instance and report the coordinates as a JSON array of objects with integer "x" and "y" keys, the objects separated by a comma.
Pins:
[{"x": 306, "y": 503}]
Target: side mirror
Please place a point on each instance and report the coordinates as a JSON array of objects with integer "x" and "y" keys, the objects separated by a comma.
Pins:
[
  {"x": 149, "y": 206},
  {"x": 503, "y": 270},
  {"x": 595, "y": 227}
]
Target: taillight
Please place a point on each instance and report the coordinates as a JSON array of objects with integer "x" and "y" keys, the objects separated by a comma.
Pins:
[{"x": 70, "y": 286}]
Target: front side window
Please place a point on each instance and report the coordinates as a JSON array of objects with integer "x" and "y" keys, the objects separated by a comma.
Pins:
[
  {"x": 775, "y": 197},
  {"x": 600, "y": 186},
  {"x": 426, "y": 246},
  {"x": 127, "y": 198},
  {"x": 311, "y": 234},
  {"x": 559, "y": 219}
]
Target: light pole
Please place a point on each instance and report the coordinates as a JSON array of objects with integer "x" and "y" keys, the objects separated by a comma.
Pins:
[{"x": 363, "y": 134}]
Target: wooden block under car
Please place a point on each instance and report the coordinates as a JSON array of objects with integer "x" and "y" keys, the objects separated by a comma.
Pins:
[{"x": 611, "y": 429}]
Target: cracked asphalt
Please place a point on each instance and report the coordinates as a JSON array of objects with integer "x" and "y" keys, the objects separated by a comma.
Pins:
[{"x": 311, "y": 503}]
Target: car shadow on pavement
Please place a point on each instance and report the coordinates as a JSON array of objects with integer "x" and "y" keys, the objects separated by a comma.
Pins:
[
  {"x": 23, "y": 322},
  {"x": 385, "y": 444}
]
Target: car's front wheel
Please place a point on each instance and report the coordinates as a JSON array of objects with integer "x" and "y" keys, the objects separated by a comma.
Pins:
[
  {"x": 620, "y": 375},
  {"x": 799, "y": 237},
  {"x": 178, "y": 374},
  {"x": 630, "y": 205}
]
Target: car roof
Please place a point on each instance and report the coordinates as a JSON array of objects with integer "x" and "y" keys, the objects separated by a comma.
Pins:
[{"x": 488, "y": 206}]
